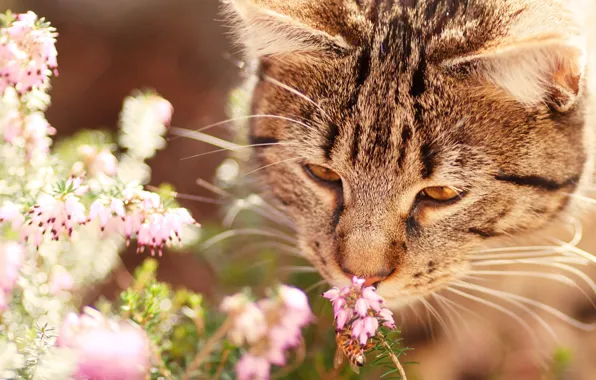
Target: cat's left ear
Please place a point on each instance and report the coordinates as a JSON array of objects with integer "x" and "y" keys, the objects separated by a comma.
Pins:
[
  {"x": 537, "y": 70},
  {"x": 278, "y": 27}
]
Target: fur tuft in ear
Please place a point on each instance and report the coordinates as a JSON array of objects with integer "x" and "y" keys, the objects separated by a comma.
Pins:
[
  {"x": 277, "y": 27},
  {"x": 540, "y": 70}
]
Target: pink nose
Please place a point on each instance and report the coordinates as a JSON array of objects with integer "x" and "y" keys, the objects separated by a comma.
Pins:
[{"x": 373, "y": 280}]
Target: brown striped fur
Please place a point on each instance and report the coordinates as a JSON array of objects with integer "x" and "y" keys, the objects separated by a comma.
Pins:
[{"x": 487, "y": 96}]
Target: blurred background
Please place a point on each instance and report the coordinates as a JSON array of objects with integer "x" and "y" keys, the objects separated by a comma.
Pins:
[{"x": 108, "y": 48}]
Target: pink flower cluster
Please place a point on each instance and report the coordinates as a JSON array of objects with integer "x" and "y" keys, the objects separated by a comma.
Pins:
[
  {"x": 96, "y": 162},
  {"x": 27, "y": 53},
  {"x": 268, "y": 329},
  {"x": 11, "y": 260},
  {"x": 360, "y": 309},
  {"x": 134, "y": 212},
  {"x": 52, "y": 214},
  {"x": 32, "y": 129},
  {"x": 106, "y": 349},
  {"x": 143, "y": 214}
]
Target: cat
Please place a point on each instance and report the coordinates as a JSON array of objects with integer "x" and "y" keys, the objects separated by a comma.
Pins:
[{"x": 403, "y": 135}]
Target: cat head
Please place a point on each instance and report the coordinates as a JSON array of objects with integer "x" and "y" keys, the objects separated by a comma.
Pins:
[{"x": 408, "y": 133}]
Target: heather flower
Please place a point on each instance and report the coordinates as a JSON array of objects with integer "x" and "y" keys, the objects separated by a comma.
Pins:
[
  {"x": 251, "y": 367},
  {"x": 61, "y": 281},
  {"x": 144, "y": 118},
  {"x": 11, "y": 260},
  {"x": 269, "y": 328},
  {"x": 11, "y": 212},
  {"x": 27, "y": 53},
  {"x": 99, "y": 162},
  {"x": 359, "y": 310},
  {"x": 54, "y": 216},
  {"x": 107, "y": 349},
  {"x": 144, "y": 215}
]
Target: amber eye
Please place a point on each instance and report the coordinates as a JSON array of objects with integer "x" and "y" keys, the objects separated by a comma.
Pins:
[
  {"x": 441, "y": 193},
  {"x": 322, "y": 173}
]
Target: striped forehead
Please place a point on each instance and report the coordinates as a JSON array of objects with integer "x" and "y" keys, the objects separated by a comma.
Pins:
[{"x": 384, "y": 109}]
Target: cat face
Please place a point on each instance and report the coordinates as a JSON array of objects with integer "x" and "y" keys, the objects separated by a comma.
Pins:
[{"x": 412, "y": 133}]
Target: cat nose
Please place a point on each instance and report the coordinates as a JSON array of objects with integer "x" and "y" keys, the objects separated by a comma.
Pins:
[{"x": 370, "y": 280}]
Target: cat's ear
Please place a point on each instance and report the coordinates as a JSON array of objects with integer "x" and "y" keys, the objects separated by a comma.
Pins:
[
  {"x": 536, "y": 70},
  {"x": 277, "y": 27}
]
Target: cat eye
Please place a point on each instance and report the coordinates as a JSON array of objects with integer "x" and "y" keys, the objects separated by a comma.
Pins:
[
  {"x": 440, "y": 194},
  {"x": 322, "y": 173}
]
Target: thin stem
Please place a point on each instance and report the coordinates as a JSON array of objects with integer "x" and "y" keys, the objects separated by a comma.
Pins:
[
  {"x": 394, "y": 358},
  {"x": 165, "y": 372},
  {"x": 224, "y": 358},
  {"x": 202, "y": 355}
]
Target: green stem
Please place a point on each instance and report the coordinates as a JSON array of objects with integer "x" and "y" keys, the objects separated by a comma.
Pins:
[
  {"x": 202, "y": 355},
  {"x": 394, "y": 358}
]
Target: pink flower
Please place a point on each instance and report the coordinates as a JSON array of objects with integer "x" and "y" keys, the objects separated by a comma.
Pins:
[
  {"x": 143, "y": 215},
  {"x": 61, "y": 281},
  {"x": 11, "y": 212},
  {"x": 342, "y": 317},
  {"x": 269, "y": 336},
  {"x": 11, "y": 260},
  {"x": 98, "y": 162},
  {"x": 332, "y": 294},
  {"x": 162, "y": 108},
  {"x": 107, "y": 349},
  {"x": 3, "y": 301},
  {"x": 362, "y": 307},
  {"x": 27, "y": 53},
  {"x": 251, "y": 367},
  {"x": 357, "y": 282},
  {"x": 358, "y": 310},
  {"x": 371, "y": 324},
  {"x": 54, "y": 216},
  {"x": 387, "y": 317}
]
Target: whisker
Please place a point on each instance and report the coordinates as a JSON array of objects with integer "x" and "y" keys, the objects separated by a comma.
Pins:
[
  {"x": 279, "y": 247},
  {"x": 519, "y": 249},
  {"x": 256, "y": 204},
  {"x": 429, "y": 333},
  {"x": 521, "y": 255},
  {"x": 182, "y": 132},
  {"x": 576, "y": 250},
  {"x": 450, "y": 312},
  {"x": 315, "y": 286},
  {"x": 190, "y": 197},
  {"x": 559, "y": 264},
  {"x": 461, "y": 307},
  {"x": 525, "y": 300},
  {"x": 497, "y": 307},
  {"x": 549, "y": 276},
  {"x": 507, "y": 298},
  {"x": 298, "y": 269},
  {"x": 273, "y": 164},
  {"x": 295, "y": 92},
  {"x": 239, "y": 147},
  {"x": 437, "y": 316},
  {"x": 582, "y": 197},
  {"x": 260, "y": 206},
  {"x": 205, "y": 138},
  {"x": 273, "y": 214},
  {"x": 522, "y": 260},
  {"x": 214, "y": 189},
  {"x": 245, "y": 232}
]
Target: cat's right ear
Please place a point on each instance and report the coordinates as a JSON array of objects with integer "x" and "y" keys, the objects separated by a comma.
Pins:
[{"x": 278, "y": 27}]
